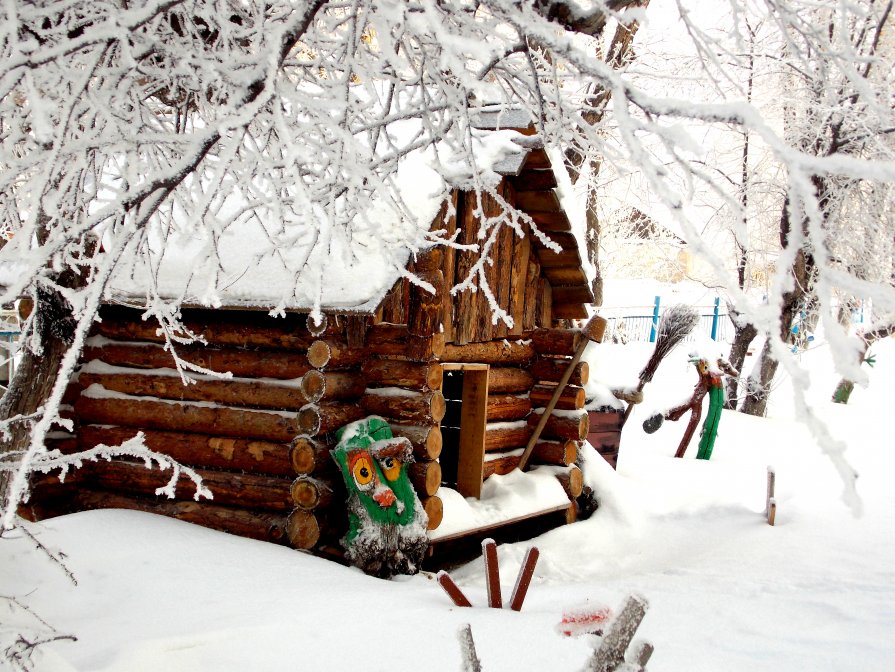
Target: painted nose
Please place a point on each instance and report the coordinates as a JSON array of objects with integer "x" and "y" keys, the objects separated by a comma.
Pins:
[{"x": 385, "y": 498}]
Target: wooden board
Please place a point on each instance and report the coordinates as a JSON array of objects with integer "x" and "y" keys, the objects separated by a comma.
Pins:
[{"x": 472, "y": 432}]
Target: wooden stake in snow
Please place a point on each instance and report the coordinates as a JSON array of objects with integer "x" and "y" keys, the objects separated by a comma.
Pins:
[
  {"x": 770, "y": 509},
  {"x": 611, "y": 653},
  {"x": 452, "y": 589},
  {"x": 594, "y": 331},
  {"x": 523, "y": 581},
  {"x": 492, "y": 573},
  {"x": 492, "y": 579}
]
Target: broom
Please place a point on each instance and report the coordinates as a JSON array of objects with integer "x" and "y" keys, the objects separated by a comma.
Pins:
[{"x": 676, "y": 323}]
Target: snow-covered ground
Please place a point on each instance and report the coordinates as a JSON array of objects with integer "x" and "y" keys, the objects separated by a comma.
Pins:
[{"x": 726, "y": 591}]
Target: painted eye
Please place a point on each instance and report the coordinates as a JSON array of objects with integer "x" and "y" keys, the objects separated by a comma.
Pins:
[
  {"x": 391, "y": 468},
  {"x": 362, "y": 471}
]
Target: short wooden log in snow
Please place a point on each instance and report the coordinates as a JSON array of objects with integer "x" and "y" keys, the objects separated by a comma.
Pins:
[
  {"x": 611, "y": 653},
  {"x": 325, "y": 417},
  {"x": 434, "y": 508},
  {"x": 426, "y": 477},
  {"x": 506, "y": 438}
]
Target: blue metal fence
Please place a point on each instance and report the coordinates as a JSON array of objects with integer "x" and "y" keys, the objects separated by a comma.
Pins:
[{"x": 637, "y": 324}]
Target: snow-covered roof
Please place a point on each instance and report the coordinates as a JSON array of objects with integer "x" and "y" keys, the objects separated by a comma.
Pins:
[{"x": 287, "y": 259}]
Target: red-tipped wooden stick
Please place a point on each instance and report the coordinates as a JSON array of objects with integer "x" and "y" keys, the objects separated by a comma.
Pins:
[
  {"x": 452, "y": 589},
  {"x": 524, "y": 579},
  {"x": 492, "y": 573}
]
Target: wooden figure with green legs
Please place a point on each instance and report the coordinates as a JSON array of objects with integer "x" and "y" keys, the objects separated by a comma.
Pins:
[
  {"x": 386, "y": 521},
  {"x": 710, "y": 384}
]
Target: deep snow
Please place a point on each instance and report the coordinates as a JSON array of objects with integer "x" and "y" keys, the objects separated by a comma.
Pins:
[{"x": 726, "y": 591}]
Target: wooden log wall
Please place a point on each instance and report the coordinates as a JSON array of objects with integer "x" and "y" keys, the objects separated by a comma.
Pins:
[
  {"x": 260, "y": 439},
  {"x": 515, "y": 278}
]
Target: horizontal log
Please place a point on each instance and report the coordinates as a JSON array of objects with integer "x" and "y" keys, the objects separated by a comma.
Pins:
[
  {"x": 552, "y": 369},
  {"x": 545, "y": 452},
  {"x": 434, "y": 508},
  {"x": 305, "y": 530},
  {"x": 309, "y": 492},
  {"x": 506, "y": 438},
  {"x": 498, "y": 353},
  {"x": 426, "y": 477},
  {"x": 570, "y": 398},
  {"x": 422, "y": 409},
  {"x": 572, "y": 294},
  {"x": 551, "y": 221},
  {"x": 243, "y": 329},
  {"x": 562, "y": 427},
  {"x": 500, "y": 465},
  {"x": 395, "y": 341},
  {"x": 198, "y": 450},
  {"x": 334, "y": 355},
  {"x": 244, "y": 363},
  {"x": 186, "y": 417},
  {"x": 252, "y": 394},
  {"x": 400, "y": 373},
  {"x": 308, "y": 456},
  {"x": 572, "y": 481},
  {"x": 426, "y": 440},
  {"x": 506, "y": 407},
  {"x": 509, "y": 379},
  {"x": 332, "y": 385},
  {"x": 563, "y": 342},
  {"x": 261, "y": 525},
  {"x": 559, "y": 453},
  {"x": 252, "y": 491},
  {"x": 317, "y": 419},
  {"x": 534, "y": 180}
]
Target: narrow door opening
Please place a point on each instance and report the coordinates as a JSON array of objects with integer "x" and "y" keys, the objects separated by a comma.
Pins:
[{"x": 465, "y": 390}]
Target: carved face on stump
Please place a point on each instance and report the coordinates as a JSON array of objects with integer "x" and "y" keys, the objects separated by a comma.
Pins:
[{"x": 387, "y": 524}]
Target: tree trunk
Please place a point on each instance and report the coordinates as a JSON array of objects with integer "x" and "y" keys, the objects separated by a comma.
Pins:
[
  {"x": 34, "y": 378},
  {"x": 743, "y": 335}
]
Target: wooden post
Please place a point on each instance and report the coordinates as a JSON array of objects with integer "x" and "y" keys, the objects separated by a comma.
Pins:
[
  {"x": 471, "y": 662},
  {"x": 523, "y": 581},
  {"x": 492, "y": 573},
  {"x": 594, "y": 331},
  {"x": 452, "y": 589},
  {"x": 470, "y": 462},
  {"x": 615, "y": 642},
  {"x": 770, "y": 507}
]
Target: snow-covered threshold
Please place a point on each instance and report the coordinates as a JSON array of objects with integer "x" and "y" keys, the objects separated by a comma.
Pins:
[{"x": 726, "y": 591}]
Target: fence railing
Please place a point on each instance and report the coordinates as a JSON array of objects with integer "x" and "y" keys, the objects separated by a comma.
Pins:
[{"x": 629, "y": 324}]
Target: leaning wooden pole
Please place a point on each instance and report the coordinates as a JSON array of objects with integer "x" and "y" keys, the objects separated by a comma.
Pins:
[{"x": 594, "y": 330}]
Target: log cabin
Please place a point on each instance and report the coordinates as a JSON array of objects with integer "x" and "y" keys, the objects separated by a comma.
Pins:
[{"x": 466, "y": 390}]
